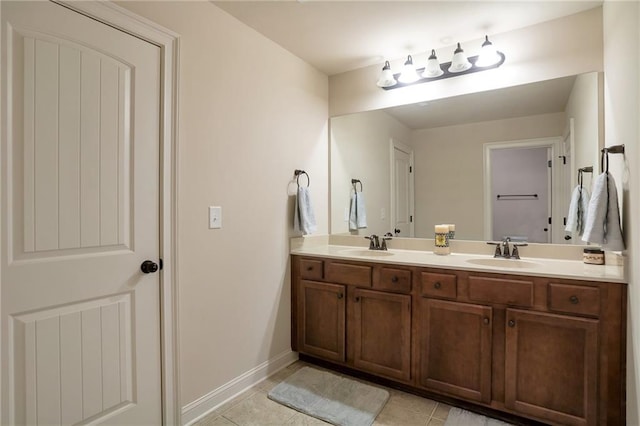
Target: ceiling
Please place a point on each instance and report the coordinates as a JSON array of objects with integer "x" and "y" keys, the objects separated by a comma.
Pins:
[
  {"x": 338, "y": 36},
  {"x": 518, "y": 101}
]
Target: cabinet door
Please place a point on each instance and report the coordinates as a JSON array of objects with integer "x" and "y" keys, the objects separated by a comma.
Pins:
[
  {"x": 551, "y": 367},
  {"x": 454, "y": 343},
  {"x": 321, "y": 320},
  {"x": 381, "y": 333}
]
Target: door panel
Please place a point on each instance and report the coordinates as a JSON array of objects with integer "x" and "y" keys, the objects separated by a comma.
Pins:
[
  {"x": 80, "y": 200},
  {"x": 402, "y": 196}
]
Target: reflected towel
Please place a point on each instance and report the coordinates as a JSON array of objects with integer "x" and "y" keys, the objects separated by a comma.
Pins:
[
  {"x": 357, "y": 212},
  {"x": 304, "y": 219},
  {"x": 603, "y": 216},
  {"x": 577, "y": 215}
]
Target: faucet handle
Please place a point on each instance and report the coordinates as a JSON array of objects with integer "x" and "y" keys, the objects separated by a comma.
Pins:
[
  {"x": 498, "y": 252},
  {"x": 371, "y": 239},
  {"x": 515, "y": 254}
]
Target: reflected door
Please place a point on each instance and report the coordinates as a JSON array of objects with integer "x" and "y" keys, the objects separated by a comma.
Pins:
[
  {"x": 402, "y": 191},
  {"x": 80, "y": 213},
  {"x": 520, "y": 188}
]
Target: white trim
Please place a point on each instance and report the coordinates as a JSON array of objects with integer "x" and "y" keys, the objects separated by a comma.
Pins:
[
  {"x": 393, "y": 144},
  {"x": 196, "y": 410},
  {"x": 552, "y": 142},
  {"x": 168, "y": 42}
]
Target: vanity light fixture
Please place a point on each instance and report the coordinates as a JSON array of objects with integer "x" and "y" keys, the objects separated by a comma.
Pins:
[
  {"x": 409, "y": 73},
  {"x": 489, "y": 58}
]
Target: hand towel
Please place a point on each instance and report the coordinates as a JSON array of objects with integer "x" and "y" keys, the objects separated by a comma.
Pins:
[
  {"x": 603, "y": 216},
  {"x": 577, "y": 215},
  {"x": 357, "y": 212},
  {"x": 304, "y": 219}
]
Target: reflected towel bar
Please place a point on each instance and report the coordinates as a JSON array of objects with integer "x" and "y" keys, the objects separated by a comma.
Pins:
[
  {"x": 354, "y": 182},
  {"x": 499, "y": 196},
  {"x": 297, "y": 174}
]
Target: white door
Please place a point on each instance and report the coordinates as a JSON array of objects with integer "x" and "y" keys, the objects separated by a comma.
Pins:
[
  {"x": 401, "y": 191},
  {"x": 80, "y": 213}
]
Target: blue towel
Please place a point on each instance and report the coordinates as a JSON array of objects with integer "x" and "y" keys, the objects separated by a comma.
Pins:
[
  {"x": 304, "y": 219},
  {"x": 576, "y": 218},
  {"x": 603, "y": 218},
  {"x": 357, "y": 212}
]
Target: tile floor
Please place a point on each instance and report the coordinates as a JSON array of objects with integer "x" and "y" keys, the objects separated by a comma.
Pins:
[{"x": 252, "y": 407}]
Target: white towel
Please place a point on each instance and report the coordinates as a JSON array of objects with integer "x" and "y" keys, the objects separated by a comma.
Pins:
[
  {"x": 303, "y": 218},
  {"x": 578, "y": 208},
  {"x": 357, "y": 212},
  {"x": 603, "y": 217}
]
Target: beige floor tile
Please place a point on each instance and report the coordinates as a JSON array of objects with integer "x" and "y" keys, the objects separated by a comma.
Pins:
[
  {"x": 303, "y": 420},
  {"x": 435, "y": 422},
  {"x": 394, "y": 415},
  {"x": 441, "y": 412},
  {"x": 259, "y": 410},
  {"x": 231, "y": 403},
  {"x": 214, "y": 421},
  {"x": 413, "y": 403}
]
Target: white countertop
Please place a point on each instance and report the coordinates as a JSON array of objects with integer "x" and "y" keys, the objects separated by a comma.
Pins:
[{"x": 567, "y": 269}]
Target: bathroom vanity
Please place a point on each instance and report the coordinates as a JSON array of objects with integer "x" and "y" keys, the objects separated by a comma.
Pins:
[{"x": 541, "y": 339}]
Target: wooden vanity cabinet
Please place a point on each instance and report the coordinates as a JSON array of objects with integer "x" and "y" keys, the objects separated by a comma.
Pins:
[
  {"x": 545, "y": 349},
  {"x": 354, "y": 314},
  {"x": 454, "y": 343}
]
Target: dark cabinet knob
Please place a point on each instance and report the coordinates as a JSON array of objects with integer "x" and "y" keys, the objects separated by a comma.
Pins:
[
  {"x": 309, "y": 268},
  {"x": 394, "y": 279},
  {"x": 149, "y": 267},
  {"x": 574, "y": 300},
  {"x": 486, "y": 320},
  {"x": 512, "y": 323},
  {"x": 340, "y": 295},
  {"x": 357, "y": 298},
  {"x": 437, "y": 285}
]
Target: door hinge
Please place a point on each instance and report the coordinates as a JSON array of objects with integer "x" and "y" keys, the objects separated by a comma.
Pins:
[
  {"x": 410, "y": 169},
  {"x": 161, "y": 264},
  {"x": 549, "y": 163},
  {"x": 564, "y": 221},
  {"x": 549, "y": 221},
  {"x": 564, "y": 159},
  {"x": 410, "y": 219}
]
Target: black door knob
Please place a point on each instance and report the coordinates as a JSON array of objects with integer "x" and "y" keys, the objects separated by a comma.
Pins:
[
  {"x": 567, "y": 237},
  {"x": 149, "y": 267}
]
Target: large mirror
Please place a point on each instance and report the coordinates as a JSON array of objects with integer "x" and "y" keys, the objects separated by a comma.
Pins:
[{"x": 465, "y": 160}]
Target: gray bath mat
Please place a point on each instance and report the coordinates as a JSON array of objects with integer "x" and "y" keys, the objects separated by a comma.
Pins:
[
  {"x": 330, "y": 397},
  {"x": 460, "y": 417}
]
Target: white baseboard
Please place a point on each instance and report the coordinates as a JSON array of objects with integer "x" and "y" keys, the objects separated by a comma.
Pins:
[{"x": 202, "y": 406}]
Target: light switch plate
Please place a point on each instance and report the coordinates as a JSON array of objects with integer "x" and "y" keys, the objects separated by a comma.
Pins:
[{"x": 215, "y": 217}]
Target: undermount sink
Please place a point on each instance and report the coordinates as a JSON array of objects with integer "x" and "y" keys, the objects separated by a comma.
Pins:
[
  {"x": 367, "y": 253},
  {"x": 503, "y": 263}
]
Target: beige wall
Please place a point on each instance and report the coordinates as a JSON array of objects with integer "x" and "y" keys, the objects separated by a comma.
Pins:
[
  {"x": 584, "y": 106},
  {"x": 360, "y": 148},
  {"x": 558, "y": 48},
  {"x": 622, "y": 118},
  {"x": 449, "y": 169},
  {"x": 250, "y": 113}
]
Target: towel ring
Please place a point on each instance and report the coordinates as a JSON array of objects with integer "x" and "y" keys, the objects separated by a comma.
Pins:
[
  {"x": 297, "y": 174},
  {"x": 355, "y": 182}
]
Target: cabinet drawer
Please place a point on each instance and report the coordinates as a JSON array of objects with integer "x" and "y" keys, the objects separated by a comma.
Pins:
[
  {"x": 574, "y": 299},
  {"x": 503, "y": 291},
  {"x": 438, "y": 285},
  {"x": 311, "y": 269},
  {"x": 396, "y": 280},
  {"x": 345, "y": 273}
]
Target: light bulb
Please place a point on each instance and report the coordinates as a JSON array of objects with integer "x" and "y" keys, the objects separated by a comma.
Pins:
[
  {"x": 459, "y": 62},
  {"x": 386, "y": 76},
  {"x": 409, "y": 73},
  {"x": 433, "y": 67},
  {"x": 488, "y": 54}
]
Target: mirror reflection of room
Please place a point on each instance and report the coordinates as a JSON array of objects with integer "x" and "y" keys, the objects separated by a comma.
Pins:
[{"x": 446, "y": 161}]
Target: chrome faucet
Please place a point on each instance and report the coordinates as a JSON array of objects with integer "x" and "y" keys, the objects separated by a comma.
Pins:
[
  {"x": 374, "y": 242},
  {"x": 503, "y": 249},
  {"x": 506, "y": 252},
  {"x": 385, "y": 238}
]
